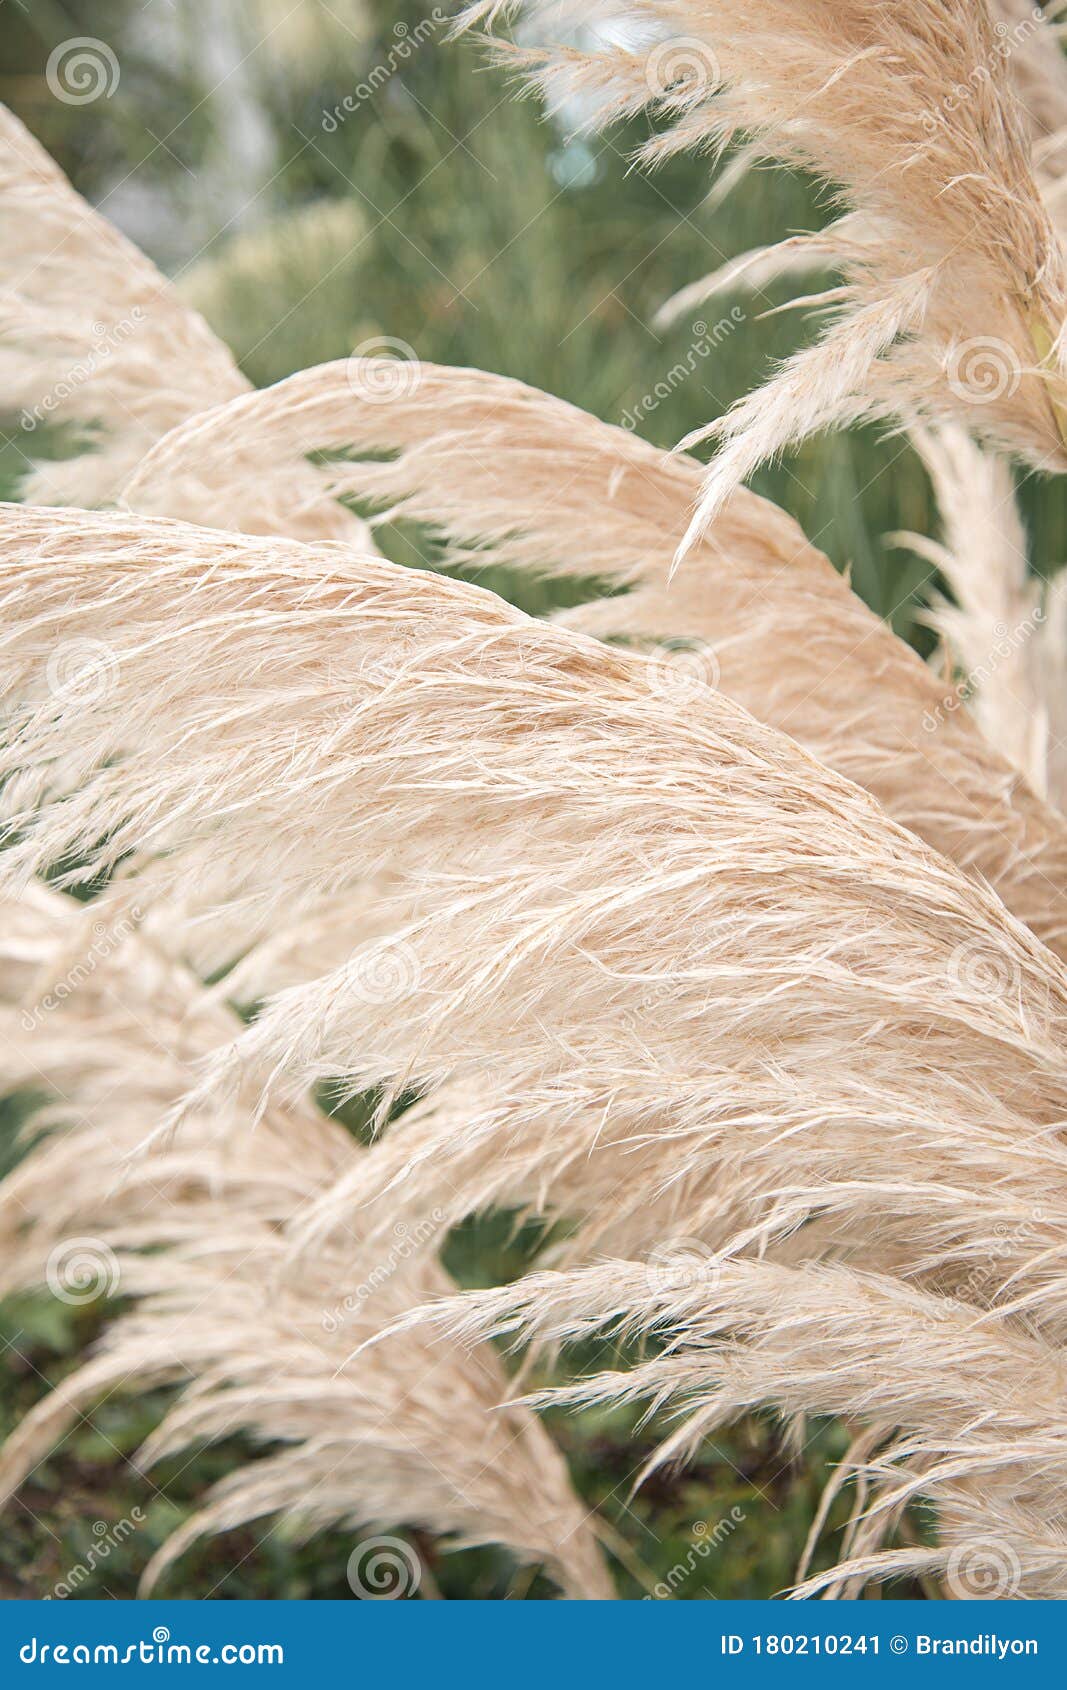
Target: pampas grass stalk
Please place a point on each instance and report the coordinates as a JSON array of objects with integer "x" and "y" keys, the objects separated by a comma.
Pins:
[{"x": 993, "y": 626}]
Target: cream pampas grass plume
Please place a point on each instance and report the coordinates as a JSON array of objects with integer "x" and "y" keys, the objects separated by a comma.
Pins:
[
  {"x": 530, "y": 858},
  {"x": 971, "y": 1413},
  {"x": 195, "y": 1234},
  {"x": 91, "y": 334},
  {"x": 94, "y": 338},
  {"x": 1004, "y": 630},
  {"x": 1038, "y": 70},
  {"x": 1052, "y": 660},
  {"x": 993, "y": 625},
  {"x": 1028, "y": 43},
  {"x": 1028, "y": 40},
  {"x": 511, "y": 476},
  {"x": 657, "y": 971},
  {"x": 954, "y": 289}
]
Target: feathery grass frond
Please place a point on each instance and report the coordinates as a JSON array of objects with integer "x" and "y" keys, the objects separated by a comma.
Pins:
[
  {"x": 1053, "y": 659},
  {"x": 587, "y": 875},
  {"x": 197, "y": 1232},
  {"x": 1030, "y": 47},
  {"x": 994, "y": 624},
  {"x": 974, "y": 1409},
  {"x": 751, "y": 272},
  {"x": 514, "y": 477},
  {"x": 94, "y": 337},
  {"x": 91, "y": 334},
  {"x": 1039, "y": 77},
  {"x": 949, "y": 258}
]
